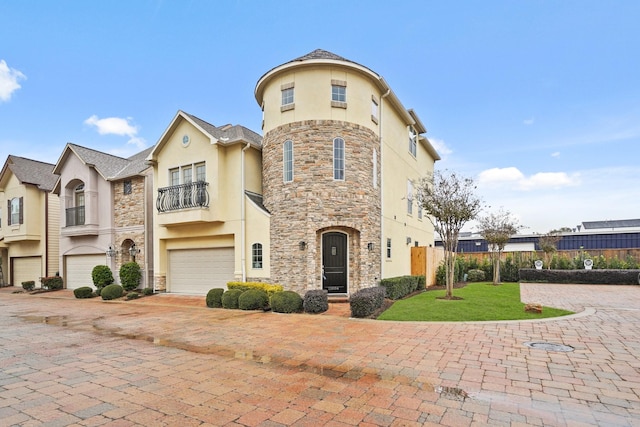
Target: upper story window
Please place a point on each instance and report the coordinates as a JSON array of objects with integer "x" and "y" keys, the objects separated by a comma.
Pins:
[
  {"x": 287, "y": 161},
  {"x": 15, "y": 208},
  {"x": 126, "y": 187},
  {"x": 409, "y": 197},
  {"x": 338, "y": 93},
  {"x": 201, "y": 173},
  {"x": 413, "y": 141},
  {"x": 256, "y": 255},
  {"x": 374, "y": 109},
  {"x": 287, "y": 97},
  {"x": 78, "y": 195},
  {"x": 75, "y": 215},
  {"x": 183, "y": 192},
  {"x": 338, "y": 159}
]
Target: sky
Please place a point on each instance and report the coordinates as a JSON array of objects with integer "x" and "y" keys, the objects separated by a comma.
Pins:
[{"x": 537, "y": 101}]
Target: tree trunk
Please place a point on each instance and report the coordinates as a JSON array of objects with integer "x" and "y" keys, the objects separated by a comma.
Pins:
[{"x": 496, "y": 268}]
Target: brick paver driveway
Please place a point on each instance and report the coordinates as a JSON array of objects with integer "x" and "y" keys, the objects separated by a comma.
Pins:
[{"x": 155, "y": 362}]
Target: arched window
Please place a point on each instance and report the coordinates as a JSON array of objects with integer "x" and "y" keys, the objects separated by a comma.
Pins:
[
  {"x": 256, "y": 255},
  {"x": 287, "y": 161},
  {"x": 338, "y": 159}
]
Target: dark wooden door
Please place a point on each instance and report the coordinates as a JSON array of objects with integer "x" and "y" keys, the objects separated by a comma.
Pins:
[{"x": 334, "y": 262}]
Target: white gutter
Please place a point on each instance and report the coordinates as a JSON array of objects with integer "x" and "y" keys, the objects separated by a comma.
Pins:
[
  {"x": 383, "y": 243},
  {"x": 242, "y": 216}
]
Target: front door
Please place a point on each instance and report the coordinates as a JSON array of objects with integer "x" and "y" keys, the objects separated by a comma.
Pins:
[{"x": 334, "y": 262}]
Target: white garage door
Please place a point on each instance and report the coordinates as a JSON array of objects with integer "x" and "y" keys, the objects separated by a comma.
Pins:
[
  {"x": 196, "y": 271},
  {"x": 25, "y": 269},
  {"x": 79, "y": 268}
]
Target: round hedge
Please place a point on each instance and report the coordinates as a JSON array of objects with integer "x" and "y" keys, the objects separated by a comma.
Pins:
[
  {"x": 286, "y": 302},
  {"x": 230, "y": 298},
  {"x": 112, "y": 291},
  {"x": 130, "y": 275},
  {"x": 83, "y": 292},
  {"x": 253, "y": 299},
  {"x": 214, "y": 298},
  {"x": 102, "y": 276}
]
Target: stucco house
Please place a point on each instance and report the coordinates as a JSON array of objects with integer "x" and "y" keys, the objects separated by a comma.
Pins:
[
  {"x": 324, "y": 200},
  {"x": 210, "y": 224},
  {"x": 105, "y": 213},
  {"x": 29, "y": 221}
]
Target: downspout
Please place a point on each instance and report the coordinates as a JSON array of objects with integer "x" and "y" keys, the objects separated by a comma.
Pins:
[
  {"x": 242, "y": 216},
  {"x": 383, "y": 243}
]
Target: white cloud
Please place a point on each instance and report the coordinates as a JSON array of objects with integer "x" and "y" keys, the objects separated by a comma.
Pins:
[
  {"x": 512, "y": 178},
  {"x": 555, "y": 154},
  {"x": 117, "y": 126},
  {"x": 9, "y": 78},
  {"x": 529, "y": 122}
]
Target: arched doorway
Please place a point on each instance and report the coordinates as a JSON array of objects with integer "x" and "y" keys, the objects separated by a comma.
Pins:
[{"x": 335, "y": 262}]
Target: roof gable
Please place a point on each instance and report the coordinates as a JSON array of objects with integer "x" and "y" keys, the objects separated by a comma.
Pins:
[{"x": 29, "y": 171}]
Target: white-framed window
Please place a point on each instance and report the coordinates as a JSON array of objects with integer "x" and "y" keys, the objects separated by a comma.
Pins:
[
  {"x": 287, "y": 96},
  {"x": 388, "y": 248},
  {"x": 413, "y": 141},
  {"x": 409, "y": 197},
  {"x": 338, "y": 159},
  {"x": 287, "y": 161},
  {"x": 338, "y": 93},
  {"x": 174, "y": 176},
  {"x": 256, "y": 255},
  {"x": 15, "y": 211},
  {"x": 374, "y": 109},
  {"x": 201, "y": 172}
]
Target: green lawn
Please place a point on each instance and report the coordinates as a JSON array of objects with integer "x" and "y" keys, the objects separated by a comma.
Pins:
[{"x": 481, "y": 301}]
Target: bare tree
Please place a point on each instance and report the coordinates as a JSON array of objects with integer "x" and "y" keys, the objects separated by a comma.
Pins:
[
  {"x": 549, "y": 244},
  {"x": 497, "y": 228},
  {"x": 450, "y": 202}
]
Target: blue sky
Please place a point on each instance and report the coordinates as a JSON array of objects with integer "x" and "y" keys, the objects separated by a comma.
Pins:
[{"x": 537, "y": 101}]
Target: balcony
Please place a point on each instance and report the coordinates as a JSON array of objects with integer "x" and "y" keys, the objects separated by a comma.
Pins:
[
  {"x": 75, "y": 216},
  {"x": 75, "y": 219},
  {"x": 185, "y": 203}
]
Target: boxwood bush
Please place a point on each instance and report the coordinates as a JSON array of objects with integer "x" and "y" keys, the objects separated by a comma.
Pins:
[
  {"x": 316, "y": 301},
  {"x": 83, "y": 292},
  {"x": 130, "y": 275},
  {"x": 29, "y": 285},
  {"x": 286, "y": 302},
  {"x": 253, "y": 299},
  {"x": 604, "y": 277},
  {"x": 214, "y": 298},
  {"x": 52, "y": 283},
  {"x": 475, "y": 275},
  {"x": 230, "y": 298},
  {"x": 401, "y": 286},
  {"x": 245, "y": 286},
  {"x": 101, "y": 276},
  {"x": 366, "y": 301},
  {"x": 112, "y": 291}
]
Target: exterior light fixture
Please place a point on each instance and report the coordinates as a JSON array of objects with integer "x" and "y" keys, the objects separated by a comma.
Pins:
[
  {"x": 133, "y": 250},
  {"x": 111, "y": 252},
  {"x": 302, "y": 245},
  {"x": 370, "y": 246}
]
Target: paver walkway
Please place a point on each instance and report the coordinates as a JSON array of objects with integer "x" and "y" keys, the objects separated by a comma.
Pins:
[{"x": 167, "y": 361}]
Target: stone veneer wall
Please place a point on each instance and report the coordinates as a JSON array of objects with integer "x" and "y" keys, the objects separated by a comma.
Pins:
[
  {"x": 129, "y": 215},
  {"x": 314, "y": 202}
]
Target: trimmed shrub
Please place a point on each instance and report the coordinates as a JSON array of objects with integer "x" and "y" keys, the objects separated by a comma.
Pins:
[
  {"x": 83, "y": 292},
  {"x": 101, "y": 276},
  {"x": 475, "y": 275},
  {"x": 286, "y": 302},
  {"x": 52, "y": 283},
  {"x": 253, "y": 299},
  {"x": 230, "y": 298},
  {"x": 147, "y": 291},
  {"x": 214, "y": 298},
  {"x": 133, "y": 295},
  {"x": 29, "y": 285},
  {"x": 112, "y": 291},
  {"x": 603, "y": 277},
  {"x": 366, "y": 301},
  {"x": 316, "y": 301},
  {"x": 245, "y": 286},
  {"x": 130, "y": 275},
  {"x": 401, "y": 286}
]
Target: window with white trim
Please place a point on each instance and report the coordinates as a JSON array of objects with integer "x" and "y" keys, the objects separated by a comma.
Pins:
[
  {"x": 287, "y": 161},
  {"x": 15, "y": 211},
  {"x": 256, "y": 255},
  {"x": 413, "y": 141},
  {"x": 338, "y": 93},
  {"x": 338, "y": 159},
  {"x": 388, "y": 248},
  {"x": 409, "y": 197}
]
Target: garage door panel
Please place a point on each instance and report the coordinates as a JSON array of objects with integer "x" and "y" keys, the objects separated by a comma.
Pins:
[
  {"x": 26, "y": 269},
  {"x": 79, "y": 268},
  {"x": 196, "y": 271}
]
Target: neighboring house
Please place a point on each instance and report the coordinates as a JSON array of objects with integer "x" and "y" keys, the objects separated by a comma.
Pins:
[
  {"x": 210, "y": 225},
  {"x": 106, "y": 213},
  {"x": 29, "y": 221},
  {"x": 341, "y": 158}
]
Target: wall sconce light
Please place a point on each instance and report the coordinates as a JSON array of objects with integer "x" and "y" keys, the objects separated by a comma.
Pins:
[
  {"x": 302, "y": 245},
  {"x": 370, "y": 246},
  {"x": 408, "y": 240},
  {"x": 133, "y": 250},
  {"x": 111, "y": 252}
]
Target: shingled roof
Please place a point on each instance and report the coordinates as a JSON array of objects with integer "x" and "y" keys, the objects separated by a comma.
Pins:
[
  {"x": 110, "y": 167},
  {"x": 227, "y": 134},
  {"x": 32, "y": 172}
]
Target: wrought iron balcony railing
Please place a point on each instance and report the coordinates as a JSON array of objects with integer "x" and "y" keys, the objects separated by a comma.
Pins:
[
  {"x": 75, "y": 216},
  {"x": 183, "y": 196}
]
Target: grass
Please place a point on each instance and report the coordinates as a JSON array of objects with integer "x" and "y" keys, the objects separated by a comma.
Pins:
[{"x": 481, "y": 301}]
